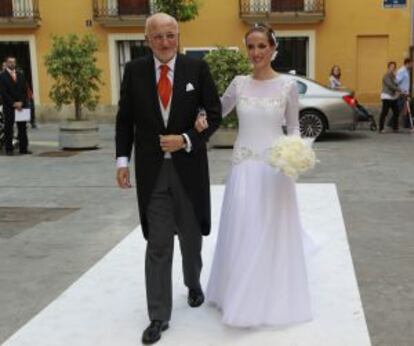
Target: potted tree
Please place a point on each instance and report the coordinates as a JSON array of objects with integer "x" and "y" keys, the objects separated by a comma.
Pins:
[
  {"x": 182, "y": 10},
  {"x": 224, "y": 65},
  {"x": 71, "y": 63}
]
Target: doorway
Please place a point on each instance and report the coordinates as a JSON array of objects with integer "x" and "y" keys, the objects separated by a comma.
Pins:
[
  {"x": 287, "y": 5},
  {"x": 21, "y": 51},
  {"x": 372, "y": 58},
  {"x": 293, "y": 55},
  {"x": 6, "y": 8},
  {"x": 134, "y": 7}
]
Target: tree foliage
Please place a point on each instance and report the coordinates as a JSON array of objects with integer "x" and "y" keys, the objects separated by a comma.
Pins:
[
  {"x": 225, "y": 64},
  {"x": 71, "y": 62},
  {"x": 182, "y": 10}
]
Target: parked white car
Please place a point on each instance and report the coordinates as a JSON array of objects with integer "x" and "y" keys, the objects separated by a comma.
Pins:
[{"x": 322, "y": 109}]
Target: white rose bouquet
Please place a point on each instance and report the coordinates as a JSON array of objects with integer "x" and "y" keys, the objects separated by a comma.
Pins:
[{"x": 293, "y": 155}]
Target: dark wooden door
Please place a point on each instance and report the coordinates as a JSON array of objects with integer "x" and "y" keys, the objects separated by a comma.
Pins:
[
  {"x": 6, "y": 8},
  {"x": 133, "y": 7},
  {"x": 287, "y": 5}
]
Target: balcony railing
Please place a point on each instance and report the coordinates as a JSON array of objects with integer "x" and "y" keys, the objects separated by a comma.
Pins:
[
  {"x": 19, "y": 13},
  {"x": 122, "y": 12},
  {"x": 282, "y": 11}
]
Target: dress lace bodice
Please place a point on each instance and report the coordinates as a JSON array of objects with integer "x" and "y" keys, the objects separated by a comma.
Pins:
[{"x": 263, "y": 107}]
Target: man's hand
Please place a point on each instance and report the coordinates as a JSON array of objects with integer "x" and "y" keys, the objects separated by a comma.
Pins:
[
  {"x": 201, "y": 123},
  {"x": 122, "y": 177},
  {"x": 171, "y": 143},
  {"x": 18, "y": 105}
]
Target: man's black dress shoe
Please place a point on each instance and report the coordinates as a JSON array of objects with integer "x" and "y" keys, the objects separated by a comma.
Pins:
[
  {"x": 9, "y": 153},
  {"x": 153, "y": 333},
  {"x": 195, "y": 297},
  {"x": 25, "y": 152}
]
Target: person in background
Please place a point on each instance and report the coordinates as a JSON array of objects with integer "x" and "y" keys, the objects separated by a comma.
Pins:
[
  {"x": 30, "y": 100},
  {"x": 389, "y": 97},
  {"x": 335, "y": 77},
  {"x": 3, "y": 68},
  {"x": 14, "y": 94},
  {"x": 403, "y": 81}
]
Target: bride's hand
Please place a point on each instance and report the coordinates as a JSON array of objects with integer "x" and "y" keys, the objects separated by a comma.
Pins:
[{"x": 201, "y": 122}]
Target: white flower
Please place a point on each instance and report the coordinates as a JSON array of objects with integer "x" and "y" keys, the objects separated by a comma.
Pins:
[{"x": 293, "y": 155}]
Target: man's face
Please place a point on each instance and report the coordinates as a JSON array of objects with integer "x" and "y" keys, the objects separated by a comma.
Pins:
[
  {"x": 162, "y": 37},
  {"x": 11, "y": 63}
]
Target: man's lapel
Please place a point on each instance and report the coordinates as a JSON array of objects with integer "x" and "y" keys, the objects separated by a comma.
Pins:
[
  {"x": 10, "y": 78},
  {"x": 152, "y": 80},
  {"x": 177, "y": 94}
]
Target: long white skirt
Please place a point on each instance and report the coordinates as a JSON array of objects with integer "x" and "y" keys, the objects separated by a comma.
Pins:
[{"x": 258, "y": 275}]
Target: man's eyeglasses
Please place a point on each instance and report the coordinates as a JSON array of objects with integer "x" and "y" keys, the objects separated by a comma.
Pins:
[{"x": 160, "y": 37}]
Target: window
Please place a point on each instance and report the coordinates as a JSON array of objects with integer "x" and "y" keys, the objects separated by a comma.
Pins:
[
  {"x": 128, "y": 50},
  {"x": 301, "y": 87},
  {"x": 292, "y": 55}
]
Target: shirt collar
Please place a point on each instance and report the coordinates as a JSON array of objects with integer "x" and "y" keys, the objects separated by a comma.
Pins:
[{"x": 170, "y": 64}]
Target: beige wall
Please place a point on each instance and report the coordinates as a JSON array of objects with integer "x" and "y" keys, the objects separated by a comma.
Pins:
[{"x": 348, "y": 36}]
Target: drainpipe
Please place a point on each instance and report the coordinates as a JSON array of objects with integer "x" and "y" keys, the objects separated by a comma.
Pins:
[{"x": 412, "y": 23}]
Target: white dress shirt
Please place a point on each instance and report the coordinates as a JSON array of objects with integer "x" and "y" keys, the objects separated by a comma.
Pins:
[
  {"x": 122, "y": 161},
  {"x": 403, "y": 79}
]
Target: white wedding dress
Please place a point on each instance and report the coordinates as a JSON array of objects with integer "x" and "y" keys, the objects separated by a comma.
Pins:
[{"x": 258, "y": 275}]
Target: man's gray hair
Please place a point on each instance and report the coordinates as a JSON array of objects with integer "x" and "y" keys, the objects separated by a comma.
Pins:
[{"x": 160, "y": 16}]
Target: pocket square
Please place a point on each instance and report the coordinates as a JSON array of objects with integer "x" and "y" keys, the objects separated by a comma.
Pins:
[{"x": 189, "y": 87}]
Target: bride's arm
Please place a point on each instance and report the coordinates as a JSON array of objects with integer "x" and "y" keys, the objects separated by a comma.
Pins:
[
  {"x": 229, "y": 98},
  {"x": 292, "y": 110},
  {"x": 228, "y": 101}
]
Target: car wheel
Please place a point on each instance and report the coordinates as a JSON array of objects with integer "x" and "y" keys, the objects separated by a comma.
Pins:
[{"x": 312, "y": 124}]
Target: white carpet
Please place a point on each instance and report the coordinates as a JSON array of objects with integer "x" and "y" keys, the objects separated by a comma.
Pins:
[{"x": 106, "y": 306}]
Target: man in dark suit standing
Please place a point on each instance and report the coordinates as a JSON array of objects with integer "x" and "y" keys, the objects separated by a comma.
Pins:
[
  {"x": 160, "y": 98},
  {"x": 14, "y": 95}
]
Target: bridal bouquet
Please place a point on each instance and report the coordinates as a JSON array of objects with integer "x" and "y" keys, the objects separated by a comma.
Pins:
[{"x": 293, "y": 155}]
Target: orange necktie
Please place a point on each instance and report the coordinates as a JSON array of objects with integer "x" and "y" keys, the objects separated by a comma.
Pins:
[{"x": 164, "y": 86}]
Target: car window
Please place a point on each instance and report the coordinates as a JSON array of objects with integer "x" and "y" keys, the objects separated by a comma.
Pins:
[{"x": 301, "y": 87}]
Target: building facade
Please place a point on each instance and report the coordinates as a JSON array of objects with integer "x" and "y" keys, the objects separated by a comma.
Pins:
[{"x": 359, "y": 36}]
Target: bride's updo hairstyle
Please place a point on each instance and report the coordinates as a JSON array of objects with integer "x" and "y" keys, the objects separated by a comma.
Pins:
[{"x": 263, "y": 28}]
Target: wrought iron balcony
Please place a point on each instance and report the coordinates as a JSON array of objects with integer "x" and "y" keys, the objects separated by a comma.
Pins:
[
  {"x": 282, "y": 11},
  {"x": 114, "y": 13},
  {"x": 19, "y": 13}
]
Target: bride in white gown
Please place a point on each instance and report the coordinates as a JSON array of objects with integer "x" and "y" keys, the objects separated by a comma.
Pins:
[{"x": 258, "y": 275}]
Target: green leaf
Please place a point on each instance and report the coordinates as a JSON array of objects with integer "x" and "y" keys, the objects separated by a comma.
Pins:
[
  {"x": 225, "y": 64},
  {"x": 71, "y": 63},
  {"x": 182, "y": 10}
]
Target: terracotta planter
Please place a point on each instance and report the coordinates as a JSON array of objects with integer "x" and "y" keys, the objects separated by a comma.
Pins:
[{"x": 78, "y": 134}]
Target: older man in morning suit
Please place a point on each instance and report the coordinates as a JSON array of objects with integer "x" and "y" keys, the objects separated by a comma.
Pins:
[{"x": 160, "y": 98}]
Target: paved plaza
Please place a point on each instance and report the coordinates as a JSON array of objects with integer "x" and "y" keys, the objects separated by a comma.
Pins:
[{"x": 61, "y": 213}]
